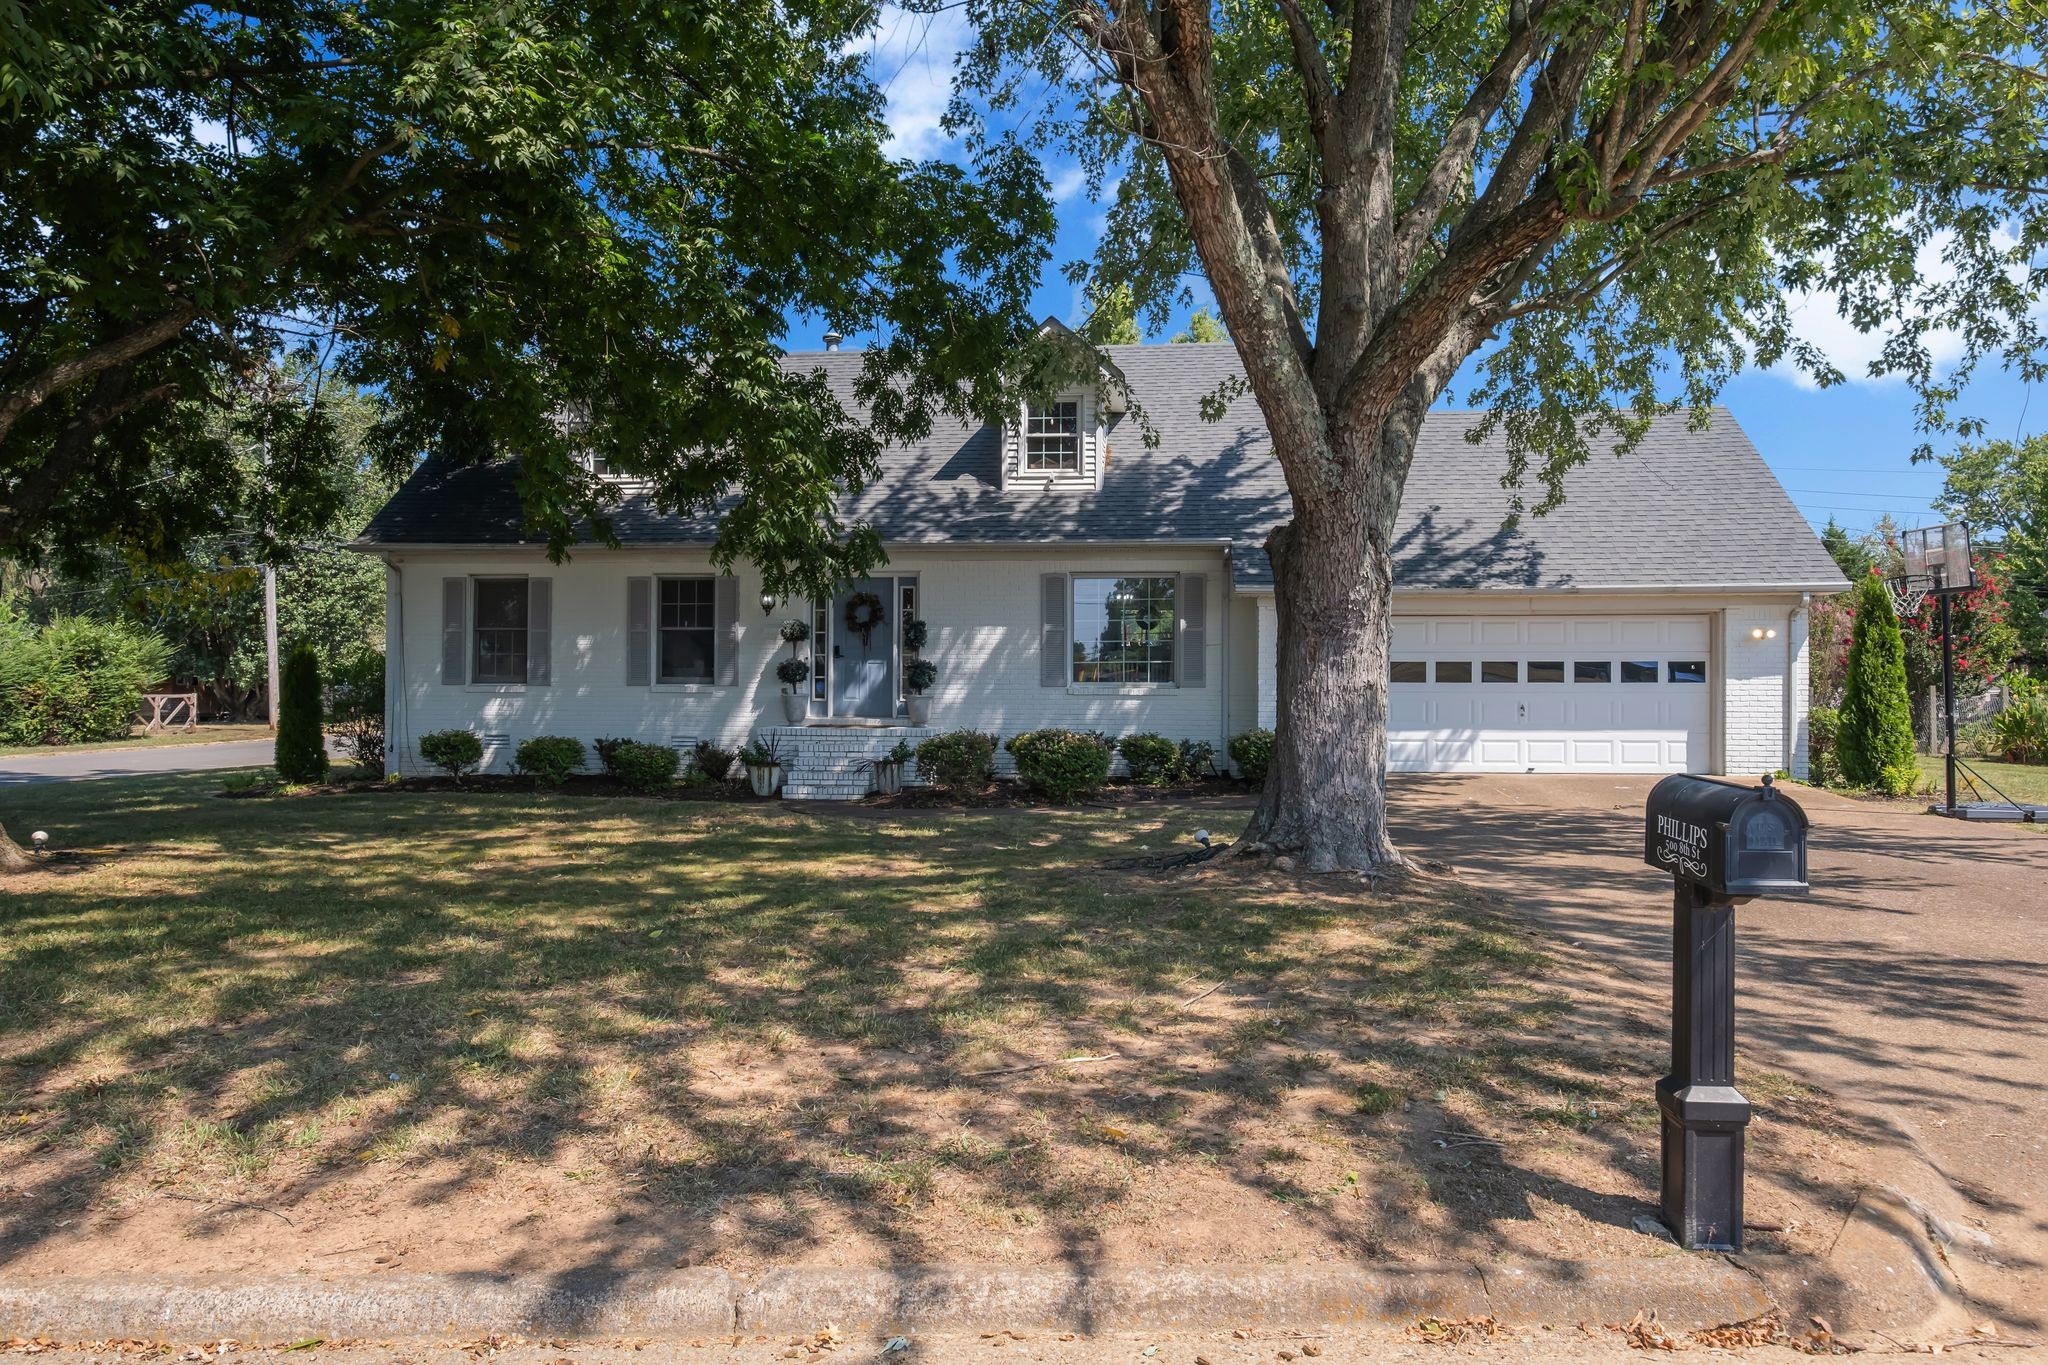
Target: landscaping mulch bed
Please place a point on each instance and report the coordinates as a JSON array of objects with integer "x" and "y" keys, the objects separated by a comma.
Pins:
[{"x": 503, "y": 1032}]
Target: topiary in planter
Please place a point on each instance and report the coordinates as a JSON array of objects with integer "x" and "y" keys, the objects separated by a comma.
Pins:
[
  {"x": 1061, "y": 765},
  {"x": 793, "y": 672},
  {"x": 301, "y": 752},
  {"x": 454, "y": 752},
  {"x": 1151, "y": 758},
  {"x": 961, "y": 761},
  {"x": 644, "y": 767},
  {"x": 549, "y": 759},
  {"x": 1252, "y": 752}
]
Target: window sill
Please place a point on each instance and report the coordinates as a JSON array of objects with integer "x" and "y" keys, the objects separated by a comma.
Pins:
[
  {"x": 684, "y": 687},
  {"x": 1120, "y": 689},
  {"x": 500, "y": 689}
]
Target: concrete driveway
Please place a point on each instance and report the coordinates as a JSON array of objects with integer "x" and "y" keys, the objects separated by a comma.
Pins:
[
  {"x": 1912, "y": 984},
  {"x": 168, "y": 758}
]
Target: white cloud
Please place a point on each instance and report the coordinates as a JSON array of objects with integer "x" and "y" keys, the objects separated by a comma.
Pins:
[
  {"x": 911, "y": 59},
  {"x": 1069, "y": 182}
]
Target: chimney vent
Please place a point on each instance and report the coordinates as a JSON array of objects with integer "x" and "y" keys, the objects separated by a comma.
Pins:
[{"x": 832, "y": 340}]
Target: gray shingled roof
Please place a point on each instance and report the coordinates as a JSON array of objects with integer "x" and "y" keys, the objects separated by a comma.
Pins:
[{"x": 1684, "y": 509}]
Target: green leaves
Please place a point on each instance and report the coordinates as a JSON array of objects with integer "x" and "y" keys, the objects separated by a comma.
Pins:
[{"x": 533, "y": 234}]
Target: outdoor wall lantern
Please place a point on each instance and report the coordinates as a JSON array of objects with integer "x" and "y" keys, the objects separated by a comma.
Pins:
[
  {"x": 768, "y": 600},
  {"x": 1763, "y": 633}
]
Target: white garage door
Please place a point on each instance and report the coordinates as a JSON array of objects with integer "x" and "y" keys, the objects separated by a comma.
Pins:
[{"x": 1624, "y": 694}]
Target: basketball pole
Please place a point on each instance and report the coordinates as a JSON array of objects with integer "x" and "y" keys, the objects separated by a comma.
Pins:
[{"x": 1948, "y": 694}]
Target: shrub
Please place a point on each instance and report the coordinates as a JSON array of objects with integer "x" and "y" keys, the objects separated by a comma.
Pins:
[
  {"x": 1823, "y": 733},
  {"x": 1151, "y": 758},
  {"x": 301, "y": 742},
  {"x": 454, "y": 752},
  {"x": 548, "y": 759},
  {"x": 74, "y": 680},
  {"x": 607, "y": 747},
  {"x": 237, "y": 783},
  {"x": 1196, "y": 760},
  {"x": 961, "y": 761},
  {"x": 1876, "y": 740},
  {"x": 355, "y": 708},
  {"x": 2019, "y": 733},
  {"x": 713, "y": 761},
  {"x": 644, "y": 767},
  {"x": 1252, "y": 753},
  {"x": 1061, "y": 765}
]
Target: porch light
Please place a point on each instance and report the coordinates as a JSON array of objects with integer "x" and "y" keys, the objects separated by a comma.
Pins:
[
  {"x": 1762, "y": 633},
  {"x": 767, "y": 604}
]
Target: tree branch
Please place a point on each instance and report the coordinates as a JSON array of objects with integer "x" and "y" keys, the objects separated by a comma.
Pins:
[{"x": 122, "y": 350}]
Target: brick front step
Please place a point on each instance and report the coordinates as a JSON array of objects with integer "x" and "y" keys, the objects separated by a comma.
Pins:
[{"x": 831, "y": 763}]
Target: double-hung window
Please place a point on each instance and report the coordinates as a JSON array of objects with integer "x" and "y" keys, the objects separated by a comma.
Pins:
[
  {"x": 499, "y": 636},
  {"x": 1124, "y": 629},
  {"x": 686, "y": 627},
  {"x": 1052, "y": 437}
]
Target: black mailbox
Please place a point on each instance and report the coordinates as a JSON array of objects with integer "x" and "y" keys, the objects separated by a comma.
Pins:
[{"x": 1733, "y": 841}]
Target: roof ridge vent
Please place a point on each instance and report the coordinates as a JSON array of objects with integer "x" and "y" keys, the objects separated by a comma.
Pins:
[{"x": 832, "y": 340}]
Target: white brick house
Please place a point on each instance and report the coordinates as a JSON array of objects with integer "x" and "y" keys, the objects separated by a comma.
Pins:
[{"x": 1071, "y": 575}]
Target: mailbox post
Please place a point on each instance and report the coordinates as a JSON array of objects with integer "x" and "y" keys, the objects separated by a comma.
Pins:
[{"x": 1723, "y": 844}]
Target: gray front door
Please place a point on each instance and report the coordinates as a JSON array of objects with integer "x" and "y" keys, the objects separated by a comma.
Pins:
[{"x": 864, "y": 671}]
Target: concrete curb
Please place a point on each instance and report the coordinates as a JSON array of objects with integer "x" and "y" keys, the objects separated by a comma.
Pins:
[{"x": 1685, "y": 1291}]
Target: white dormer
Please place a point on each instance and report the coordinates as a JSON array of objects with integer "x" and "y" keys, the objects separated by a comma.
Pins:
[{"x": 1058, "y": 442}]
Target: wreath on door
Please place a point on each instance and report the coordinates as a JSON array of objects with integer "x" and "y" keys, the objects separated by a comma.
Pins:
[{"x": 864, "y": 614}]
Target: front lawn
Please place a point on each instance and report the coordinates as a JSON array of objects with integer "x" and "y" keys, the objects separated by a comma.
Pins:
[
  {"x": 491, "y": 1031},
  {"x": 142, "y": 739},
  {"x": 2020, "y": 781}
]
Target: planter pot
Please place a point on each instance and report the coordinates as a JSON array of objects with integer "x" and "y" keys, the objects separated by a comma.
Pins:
[
  {"x": 795, "y": 708},
  {"x": 920, "y": 708},
  {"x": 764, "y": 778},
  {"x": 888, "y": 778}
]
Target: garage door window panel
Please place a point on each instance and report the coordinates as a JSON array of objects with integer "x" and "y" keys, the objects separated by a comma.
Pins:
[
  {"x": 1593, "y": 671},
  {"x": 1639, "y": 670},
  {"x": 1454, "y": 670},
  {"x": 1687, "y": 670},
  {"x": 1500, "y": 671},
  {"x": 1409, "y": 671},
  {"x": 1546, "y": 670}
]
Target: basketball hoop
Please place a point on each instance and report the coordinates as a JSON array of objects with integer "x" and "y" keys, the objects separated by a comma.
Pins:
[{"x": 1907, "y": 592}]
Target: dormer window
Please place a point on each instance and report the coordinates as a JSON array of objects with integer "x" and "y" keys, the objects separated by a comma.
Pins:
[
  {"x": 1052, "y": 437},
  {"x": 600, "y": 466}
]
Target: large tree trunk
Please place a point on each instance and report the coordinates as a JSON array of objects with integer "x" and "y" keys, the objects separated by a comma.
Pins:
[{"x": 1325, "y": 800}]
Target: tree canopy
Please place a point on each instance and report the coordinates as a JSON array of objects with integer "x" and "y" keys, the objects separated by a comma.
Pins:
[
  {"x": 1611, "y": 204},
  {"x": 2001, "y": 489},
  {"x": 532, "y": 231}
]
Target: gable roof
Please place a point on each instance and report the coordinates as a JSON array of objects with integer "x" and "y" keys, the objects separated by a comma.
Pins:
[{"x": 1684, "y": 508}]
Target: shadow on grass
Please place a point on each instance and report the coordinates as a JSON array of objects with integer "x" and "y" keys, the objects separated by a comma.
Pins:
[{"x": 768, "y": 1029}]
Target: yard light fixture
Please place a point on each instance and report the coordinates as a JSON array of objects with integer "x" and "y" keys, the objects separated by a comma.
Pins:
[{"x": 39, "y": 838}]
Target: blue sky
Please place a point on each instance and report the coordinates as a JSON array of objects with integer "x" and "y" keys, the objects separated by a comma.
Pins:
[{"x": 1844, "y": 452}]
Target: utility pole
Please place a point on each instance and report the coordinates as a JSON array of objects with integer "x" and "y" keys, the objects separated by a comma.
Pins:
[{"x": 270, "y": 636}]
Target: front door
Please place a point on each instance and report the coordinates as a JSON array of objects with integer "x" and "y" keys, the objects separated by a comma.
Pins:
[{"x": 864, "y": 665}]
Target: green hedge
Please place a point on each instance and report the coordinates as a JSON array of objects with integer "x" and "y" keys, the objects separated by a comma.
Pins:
[
  {"x": 1252, "y": 752},
  {"x": 1152, "y": 759},
  {"x": 1061, "y": 765},
  {"x": 642, "y": 767},
  {"x": 548, "y": 759},
  {"x": 962, "y": 761},
  {"x": 74, "y": 680},
  {"x": 455, "y": 752}
]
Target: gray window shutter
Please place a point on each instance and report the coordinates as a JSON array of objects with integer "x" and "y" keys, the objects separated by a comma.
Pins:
[
  {"x": 454, "y": 631},
  {"x": 725, "y": 650},
  {"x": 1053, "y": 663},
  {"x": 540, "y": 631},
  {"x": 639, "y": 631},
  {"x": 1191, "y": 659}
]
